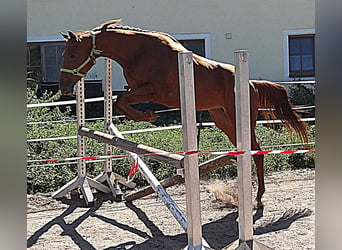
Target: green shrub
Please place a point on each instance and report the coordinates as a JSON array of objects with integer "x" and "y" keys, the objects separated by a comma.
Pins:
[{"x": 301, "y": 94}]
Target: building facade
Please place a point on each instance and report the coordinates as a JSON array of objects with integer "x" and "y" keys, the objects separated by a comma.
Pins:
[{"x": 279, "y": 35}]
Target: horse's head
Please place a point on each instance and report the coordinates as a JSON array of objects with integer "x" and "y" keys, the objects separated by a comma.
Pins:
[{"x": 78, "y": 58}]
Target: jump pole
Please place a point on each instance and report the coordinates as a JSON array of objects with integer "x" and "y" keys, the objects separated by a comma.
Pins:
[
  {"x": 191, "y": 171},
  {"x": 244, "y": 164},
  {"x": 155, "y": 184}
]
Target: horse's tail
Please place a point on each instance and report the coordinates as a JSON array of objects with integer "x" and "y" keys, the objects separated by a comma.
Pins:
[{"x": 274, "y": 98}]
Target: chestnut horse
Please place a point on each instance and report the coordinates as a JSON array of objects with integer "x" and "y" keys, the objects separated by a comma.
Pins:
[{"x": 150, "y": 65}]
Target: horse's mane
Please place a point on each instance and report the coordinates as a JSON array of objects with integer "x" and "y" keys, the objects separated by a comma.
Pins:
[
  {"x": 112, "y": 25},
  {"x": 173, "y": 43}
]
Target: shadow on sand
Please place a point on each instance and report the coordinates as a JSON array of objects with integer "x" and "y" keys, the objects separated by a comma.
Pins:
[{"x": 218, "y": 234}]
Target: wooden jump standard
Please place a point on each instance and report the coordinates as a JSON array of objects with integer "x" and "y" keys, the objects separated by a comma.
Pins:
[{"x": 244, "y": 162}]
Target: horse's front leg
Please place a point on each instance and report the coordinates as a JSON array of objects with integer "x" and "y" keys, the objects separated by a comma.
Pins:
[{"x": 142, "y": 93}]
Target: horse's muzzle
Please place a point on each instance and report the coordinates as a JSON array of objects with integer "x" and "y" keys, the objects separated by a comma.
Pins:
[{"x": 66, "y": 91}]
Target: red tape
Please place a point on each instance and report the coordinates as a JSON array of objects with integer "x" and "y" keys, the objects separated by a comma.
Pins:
[
  {"x": 133, "y": 170},
  {"x": 191, "y": 152},
  {"x": 259, "y": 152},
  {"x": 262, "y": 152}
]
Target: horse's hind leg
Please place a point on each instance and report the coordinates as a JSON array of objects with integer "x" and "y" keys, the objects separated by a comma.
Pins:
[
  {"x": 259, "y": 163},
  {"x": 224, "y": 122},
  {"x": 227, "y": 124}
]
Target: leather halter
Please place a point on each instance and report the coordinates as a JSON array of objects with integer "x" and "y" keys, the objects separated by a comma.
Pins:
[{"x": 91, "y": 57}]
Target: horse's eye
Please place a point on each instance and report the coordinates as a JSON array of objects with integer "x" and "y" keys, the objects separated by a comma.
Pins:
[{"x": 72, "y": 56}]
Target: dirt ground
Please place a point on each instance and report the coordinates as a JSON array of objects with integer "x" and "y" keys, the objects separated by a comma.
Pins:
[{"x": 287, "y": 221}]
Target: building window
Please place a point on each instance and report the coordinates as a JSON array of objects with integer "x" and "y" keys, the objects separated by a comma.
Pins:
[
  {"x": 299, "y": 54},
  {"x": 197, "y": 43},
  {"x": 44, "y": 61},
  {"x": 51, "y": 61},
  {"x": 33, "y": 62}
]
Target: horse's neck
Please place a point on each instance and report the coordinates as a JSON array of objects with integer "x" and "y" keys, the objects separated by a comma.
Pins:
[{"x": 121, "y": 48}]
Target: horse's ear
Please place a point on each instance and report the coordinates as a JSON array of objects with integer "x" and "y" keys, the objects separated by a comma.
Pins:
[
  {"x": 72, "y": 35},
  {"x": 66, "y": 37},
  {"x": 110, "y": 23}
]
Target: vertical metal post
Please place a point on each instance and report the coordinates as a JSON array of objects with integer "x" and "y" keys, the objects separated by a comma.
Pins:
[
  {"x": 191, "y": 172},
  {"x": 108, "y": 108},
  {"x": 81, "y": 144},
  {"x": 108, "y": 176}
]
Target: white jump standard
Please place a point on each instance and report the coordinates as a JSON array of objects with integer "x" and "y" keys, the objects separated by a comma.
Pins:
[
  {"x": 108, "y": 176},
  {"x": 82, "y": 181}
]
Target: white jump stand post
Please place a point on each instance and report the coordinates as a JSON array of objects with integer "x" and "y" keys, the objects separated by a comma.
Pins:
[
  {"x": 244, "y": 164},
  {"x": 82, "y": 181},
  {"x": 108, "y": 176},
  {"x": 191, "y": 171}
]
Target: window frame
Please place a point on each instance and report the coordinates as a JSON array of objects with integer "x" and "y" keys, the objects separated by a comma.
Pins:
[
  {"x": 34, "y": 70},
  {"x": 43, "y": 45},
  {"x": 197, "y": 36},
  {"x": 286, "y": 35},
  {"x": 41, "y": 41}
]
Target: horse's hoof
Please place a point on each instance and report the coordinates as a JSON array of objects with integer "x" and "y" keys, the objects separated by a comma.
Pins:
[
  {"x": 258, "y": 205},
  {"x": 151, "y": 116}
]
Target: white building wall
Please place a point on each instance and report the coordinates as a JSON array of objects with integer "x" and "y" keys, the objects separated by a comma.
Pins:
[{"x": 254, "y": 25}]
